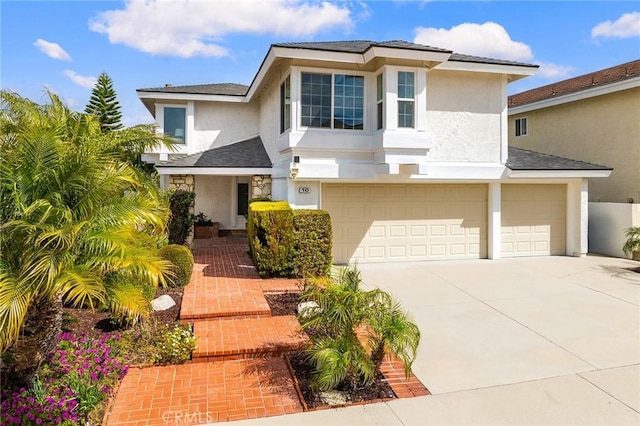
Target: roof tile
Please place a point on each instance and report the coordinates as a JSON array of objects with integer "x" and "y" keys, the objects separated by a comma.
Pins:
[
  {"x": 523, "y": 159},
  {"x": 249, "y": 153},
  {"x": 577, "y": 84}
]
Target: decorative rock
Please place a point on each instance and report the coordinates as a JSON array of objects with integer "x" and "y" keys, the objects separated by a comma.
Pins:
[
  {"x": 333, "y": 397},
  {"x": 307, "y": 308},
  {"x": 163, "y": 303},
  {"x": 189, "y": 179}
]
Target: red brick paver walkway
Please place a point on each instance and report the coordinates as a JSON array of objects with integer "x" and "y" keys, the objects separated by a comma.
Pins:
[
  {"x": 225, "y": 303},
  {"x": 205, "y": 393},
  {"x": 247, "y": 337}
]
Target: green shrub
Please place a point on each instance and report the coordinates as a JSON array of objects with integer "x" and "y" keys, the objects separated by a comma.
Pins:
[
  {"x": 181, "y": 221},
  {"x": 352, "y": 329},
  {"x": 312, "y": 242},
  {"x": 270, "y": 234},
  {"x": 182, "y": 260},
  {"x": 254, "y": 200}
]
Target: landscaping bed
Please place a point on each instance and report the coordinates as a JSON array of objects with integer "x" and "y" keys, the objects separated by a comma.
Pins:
[
  {"x": 92, "y": 355},
  {"x": 287, "y": 304}
]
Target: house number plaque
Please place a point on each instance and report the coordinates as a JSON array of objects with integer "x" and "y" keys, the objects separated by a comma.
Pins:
[{"x": 304, "y": 190}]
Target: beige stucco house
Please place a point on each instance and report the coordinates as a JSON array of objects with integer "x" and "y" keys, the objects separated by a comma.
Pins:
[
  {"x": 596, "y": 118},
  {"x": 405, "y": 145}
]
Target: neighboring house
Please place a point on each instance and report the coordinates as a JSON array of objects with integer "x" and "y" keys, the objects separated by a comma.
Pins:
[
  {"x": 404, "y": 144},
  {"x": 596, "y": 118}
]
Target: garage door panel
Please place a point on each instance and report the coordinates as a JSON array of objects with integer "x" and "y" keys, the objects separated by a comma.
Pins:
[
  {"x": 411, "y": 222},
  {"x": 533, "y": 220}
]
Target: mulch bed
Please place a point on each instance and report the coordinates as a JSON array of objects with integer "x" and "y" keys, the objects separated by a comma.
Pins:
[
  {"x": 94, "y": 323},
  {"x": 287, "y": 304},
  {"x": 380, "y": 389},
  {"x": 283, "y": 303}
]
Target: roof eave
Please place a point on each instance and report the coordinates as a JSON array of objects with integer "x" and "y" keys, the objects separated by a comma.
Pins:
[
  {"x": 546, "y": 174},
  {"x": 218, "y": 171},
  {"x": 173, "y": 96},
  {"x": 576, "y": 96},
  {"x": 513, "y": 72}
]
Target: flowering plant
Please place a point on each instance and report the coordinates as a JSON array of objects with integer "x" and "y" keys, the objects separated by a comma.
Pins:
[{"x": 79, "y": 375}]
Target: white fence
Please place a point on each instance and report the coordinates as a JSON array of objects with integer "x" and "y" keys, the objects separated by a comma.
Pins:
[{"x": 607, "y": 222}]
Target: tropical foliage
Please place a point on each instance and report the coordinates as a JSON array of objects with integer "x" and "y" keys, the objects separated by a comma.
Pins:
[
  {"x": 104, "y": 105},
  {"x": 75, "y": 222},
  {"x": 181, "y": 223},
  {"x": 352, "y": 329},
  {"x": 632, "y": 245}
]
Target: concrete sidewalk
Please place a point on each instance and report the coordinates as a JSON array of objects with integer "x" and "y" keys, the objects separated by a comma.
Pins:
[{"x": 553, "y": 340}]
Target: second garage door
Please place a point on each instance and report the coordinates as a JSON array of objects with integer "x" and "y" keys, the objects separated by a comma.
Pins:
[
  {"x": 393, "y": 222},
  {"x": 533, "y": 220}
]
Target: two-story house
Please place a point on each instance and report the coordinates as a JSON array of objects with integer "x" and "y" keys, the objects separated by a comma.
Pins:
[
  {"x": 593, "y": 117},
  {"x": 404, "y": 144}
]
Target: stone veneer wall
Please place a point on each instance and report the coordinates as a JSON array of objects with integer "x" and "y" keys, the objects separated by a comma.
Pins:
[
  {"x": 261, "y": 186},
  {"x": 183, "y": 182}
]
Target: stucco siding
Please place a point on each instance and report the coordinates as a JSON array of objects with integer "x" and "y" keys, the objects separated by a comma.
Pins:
[
  {"x": 463, "y": 116},
  {"x": 218, "y": 124},
  {"x": 213, "y": 198},
  {"x": 603, "y": 130},
  {"x": 270, "y": 118}
]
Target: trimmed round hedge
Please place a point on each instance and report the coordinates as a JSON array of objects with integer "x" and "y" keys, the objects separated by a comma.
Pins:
[{"x": 182, "y": 259}]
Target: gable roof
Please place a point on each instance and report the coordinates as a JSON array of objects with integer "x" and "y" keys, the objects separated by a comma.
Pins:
[
  {"x": 358, "y": 46},
  {"x": 249, "y": 153},
  {"x": 523, "y": 159},
  {"x": 599, "y": 78},
  {"x": 349, "y": 46},
  {"x": 228, "y": 89}
]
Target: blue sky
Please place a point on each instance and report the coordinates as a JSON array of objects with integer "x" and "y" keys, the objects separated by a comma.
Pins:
[{"x": 63, "y": 46}]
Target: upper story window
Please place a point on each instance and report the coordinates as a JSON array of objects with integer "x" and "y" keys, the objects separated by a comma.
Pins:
[
  {"x": 175, "y": 122},
  {"x": 379, "y": 102},
  {"x": 406, "y": 99},
  {"x": 332, "y": 101},
  {"x": 285, "y": 105},
  {"x": 521, "y": 126}
]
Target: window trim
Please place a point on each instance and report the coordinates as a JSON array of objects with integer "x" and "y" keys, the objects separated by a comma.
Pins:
[
  {"x": 184, "y": 107},
  {"x": 332, "y": 73},
  {"x": 518, "y": 126},
  {"x": 412, "y": 100},
  {"x": 286, "y": 82},
  {"x": 380, "y": 91}
]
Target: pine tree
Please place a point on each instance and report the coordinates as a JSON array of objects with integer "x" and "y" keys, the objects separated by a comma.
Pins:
[{"x": 104, "y": 105}]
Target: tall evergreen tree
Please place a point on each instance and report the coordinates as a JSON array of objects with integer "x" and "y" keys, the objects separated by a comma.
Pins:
[{"x": 104, "y": 105}]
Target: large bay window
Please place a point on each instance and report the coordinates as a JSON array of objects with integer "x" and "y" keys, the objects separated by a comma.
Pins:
[
  {"x": 332, "y": 101},
  {"x": 175, "y": 123},
  {"x": 406, "y": 99}
]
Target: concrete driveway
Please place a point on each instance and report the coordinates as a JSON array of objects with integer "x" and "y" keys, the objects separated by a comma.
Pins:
[{"x": 553, "y": 340}]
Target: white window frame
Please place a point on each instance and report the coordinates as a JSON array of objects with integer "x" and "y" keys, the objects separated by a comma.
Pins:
[
  {"x": 518, "y": 126},
  {"x": 188, "y": 144},
  {"x": 412, "y": 100},
  {"x": 282, "y": 106},
  {"x": 380, "y": 78},
  {"x": 365, "y": 117}
]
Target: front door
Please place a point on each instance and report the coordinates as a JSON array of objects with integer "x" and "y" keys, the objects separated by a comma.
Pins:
[{"x": 242, "y": 207}]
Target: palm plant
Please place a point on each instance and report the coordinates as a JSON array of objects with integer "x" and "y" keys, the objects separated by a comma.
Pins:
[
  {"x": 352, "y": 329},
  {"x": 632, "y": 245},
  {"x": 73, "y": 211}
]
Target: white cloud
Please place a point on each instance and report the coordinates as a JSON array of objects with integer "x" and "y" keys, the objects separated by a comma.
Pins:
[
  {"x": 488, "y": 39},
  {"x": 554, "y": 72},
  {"x": 195, "y": 28},
  {"x": 83, "y": 81},
  {"x": 626, "y": 26},
  {"x": 52, "y": 50}
]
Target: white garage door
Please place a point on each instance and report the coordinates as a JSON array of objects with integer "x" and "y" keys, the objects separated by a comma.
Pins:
[
  {"x": 533, "y": 220},
  {"x": 393, "y": 222}
]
